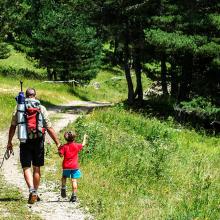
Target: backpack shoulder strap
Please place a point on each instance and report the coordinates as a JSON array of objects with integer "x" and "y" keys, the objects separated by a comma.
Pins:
[{"x": 32, "y": 103}]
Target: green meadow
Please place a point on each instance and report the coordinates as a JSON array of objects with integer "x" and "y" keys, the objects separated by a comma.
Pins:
[
  {"x": 135, "y": 166},
  {"x": 138, "y": 167}
]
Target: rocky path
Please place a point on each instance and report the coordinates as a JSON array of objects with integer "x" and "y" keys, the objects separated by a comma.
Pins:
[{"x": 51, "y": 206}]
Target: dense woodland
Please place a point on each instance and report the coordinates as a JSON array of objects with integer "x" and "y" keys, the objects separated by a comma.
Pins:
[{"x": 175, "y": 42}]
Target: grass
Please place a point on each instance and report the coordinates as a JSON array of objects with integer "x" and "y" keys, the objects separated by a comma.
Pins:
[
  {"x": 138, "y": 167},
  {"x": 112, "y": 89},
  {"x": 13, "y": 205},
  {"x": 17, "y": 61},
  {"x": 135, "y": 166},
  {"x": 48, "y": 94},
  {"x": 52, "y": 94},
  {"x": 109, "y": 85}
]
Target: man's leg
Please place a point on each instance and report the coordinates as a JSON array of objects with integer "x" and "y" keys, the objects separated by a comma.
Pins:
[
  {"x": 37, "y": 162},
  {"x": 36, "y": 177},
  {"x": 25, "y": 159},
  {"x": 28, "y": 177},
  {"x": 29, "y": 180}
]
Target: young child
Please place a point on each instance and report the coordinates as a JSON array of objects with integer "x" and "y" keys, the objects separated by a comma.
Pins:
[{"x": 70, "y": 162}]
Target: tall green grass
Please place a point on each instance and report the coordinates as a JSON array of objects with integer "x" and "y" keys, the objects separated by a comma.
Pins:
[
  {"x": 7, "y": 103},
  {"x": 140, "y": 168}
]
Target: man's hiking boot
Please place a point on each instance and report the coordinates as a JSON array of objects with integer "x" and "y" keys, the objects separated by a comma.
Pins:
[
  {"x": 32, "y": 198},
  {"x": 73, "y": 198},
  {"x": 63, "y": 192}
]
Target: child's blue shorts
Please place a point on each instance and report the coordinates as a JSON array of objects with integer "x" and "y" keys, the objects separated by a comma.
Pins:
[{"x": 74, "y": 174}]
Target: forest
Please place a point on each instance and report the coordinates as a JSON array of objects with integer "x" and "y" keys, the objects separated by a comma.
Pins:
[{"x": 155, "y": 151}]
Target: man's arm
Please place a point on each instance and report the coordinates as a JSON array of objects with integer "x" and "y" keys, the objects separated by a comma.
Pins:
[
  {"x": 49, "y": 127},
  {"x": 10, "y": 136},
  {"x": 53, "y": 135}
]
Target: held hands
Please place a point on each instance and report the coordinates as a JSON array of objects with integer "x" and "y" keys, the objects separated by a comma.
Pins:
[
  {"x": 58, "y": 149},
  {"x": 58, "y": 145}
]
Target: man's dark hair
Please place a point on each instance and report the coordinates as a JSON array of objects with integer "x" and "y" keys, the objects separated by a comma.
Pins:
[{"x": 30, "y": 92}]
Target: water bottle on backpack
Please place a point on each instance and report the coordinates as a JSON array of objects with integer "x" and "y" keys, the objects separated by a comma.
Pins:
[{"x": 21, "y": 117}]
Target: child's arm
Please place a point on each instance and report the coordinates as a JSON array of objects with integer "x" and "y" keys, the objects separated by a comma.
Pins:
[{"x": 85, "y": 140}]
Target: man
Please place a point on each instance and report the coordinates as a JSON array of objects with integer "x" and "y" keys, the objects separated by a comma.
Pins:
[{"x": 32, "y": 151}]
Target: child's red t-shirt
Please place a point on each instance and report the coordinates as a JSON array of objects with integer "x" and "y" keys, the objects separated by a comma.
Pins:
[{"x": 70, "y": 153}]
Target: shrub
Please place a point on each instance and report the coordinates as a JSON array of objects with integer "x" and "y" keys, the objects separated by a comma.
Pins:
[
  {"x": 4, "y": 51},
  {"x": 27, "y": 73}
]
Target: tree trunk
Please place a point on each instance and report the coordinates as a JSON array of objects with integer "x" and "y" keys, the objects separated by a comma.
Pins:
[
  {"x": 137, "y": 65},
  {"x": 65, "y": 73},
  {"x": 186, "y": 78},
  {"x": 174, "y": 81},
  {"x": 127, "y": 70},
  {"x": 164, "y": 75},
  {"x": 116, "y": 55},
  {"x": 138, "y": 47},
  {"x": 49, "y": 74},
  {"x": 54, "y": 75}
]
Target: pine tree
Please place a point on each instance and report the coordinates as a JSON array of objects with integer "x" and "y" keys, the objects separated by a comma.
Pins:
[
  {"x": 186, "y": 34},
  {"x": 61, "y": 37},
  {"x": 124, "y": 22}
]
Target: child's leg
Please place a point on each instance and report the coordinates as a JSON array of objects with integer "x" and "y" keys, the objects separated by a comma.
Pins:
[
  {"x": 74, "y": 185},
  {"x": 74, "y": 189},
  {"x": 63, "y": 180},
  {"x": 63, "y": 188}
]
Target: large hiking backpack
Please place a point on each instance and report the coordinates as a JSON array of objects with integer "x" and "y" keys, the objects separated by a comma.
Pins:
[{"x": 34, "y": 119}]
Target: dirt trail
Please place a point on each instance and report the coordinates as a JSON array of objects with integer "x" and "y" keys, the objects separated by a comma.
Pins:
[{"x": 52, "y": 205}]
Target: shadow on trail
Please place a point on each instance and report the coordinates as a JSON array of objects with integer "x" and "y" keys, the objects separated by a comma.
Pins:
[
  {"x": 46, "y": 103},
  {"x": 77, "y": 94},
  {"x": 9, "y": 199},
  {"x": 70, "y": 109},
  {"x": 54, "y": 201},
  {"x": 79, "y": 107}
]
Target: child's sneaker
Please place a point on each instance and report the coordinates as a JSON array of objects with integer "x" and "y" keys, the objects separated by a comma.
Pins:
[
  {"x": 63, "y": 192},
  {"x": 73, "y": 198}
]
